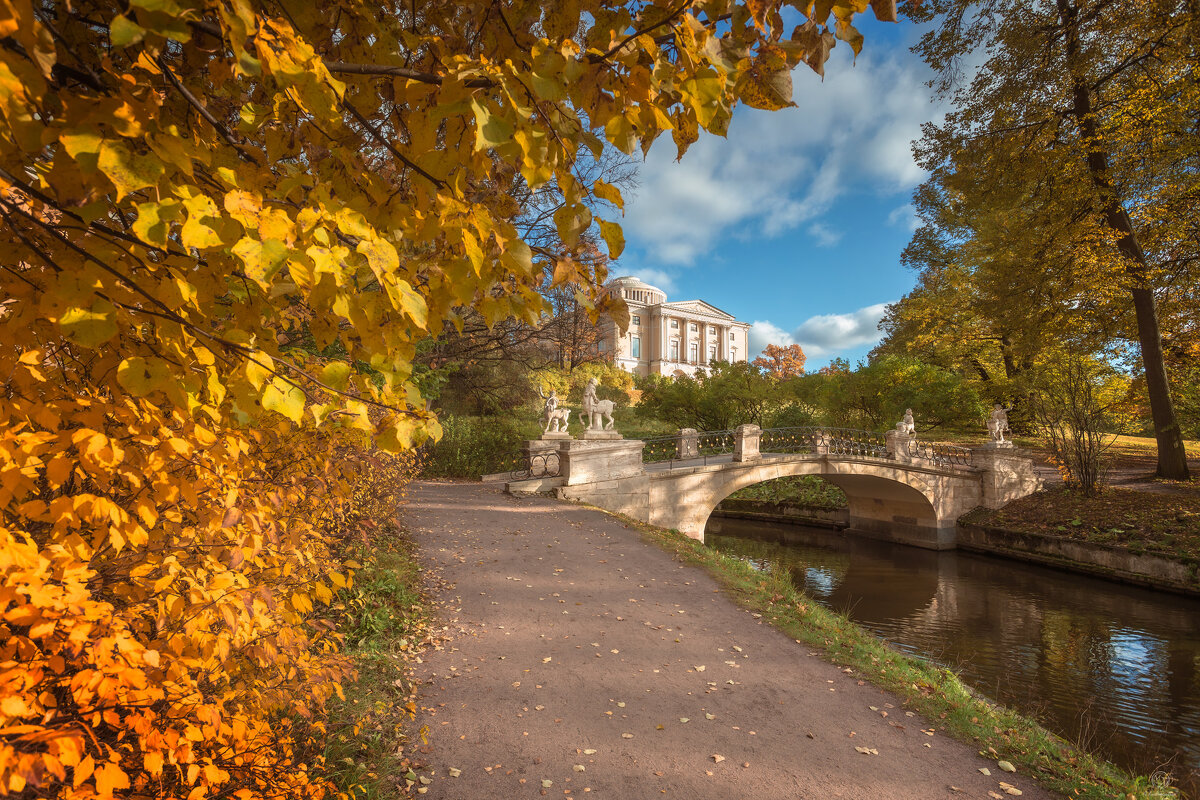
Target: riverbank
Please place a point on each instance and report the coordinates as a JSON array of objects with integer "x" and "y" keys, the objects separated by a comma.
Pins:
[
  {"x": 594, "y": 656},
  {"x": 1150, "y": 538}
]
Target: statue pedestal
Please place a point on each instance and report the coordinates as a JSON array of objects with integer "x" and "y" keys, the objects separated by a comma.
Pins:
[
  {"x": 592, "y": 461},
  {"x": 899, "y": 446},
  {"x": 1008, "y": 472},
  {"x": 554, "y": 436},
  {"x": 590, "y": 435}
]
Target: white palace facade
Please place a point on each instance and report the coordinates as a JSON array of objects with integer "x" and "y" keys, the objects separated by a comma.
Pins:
[{"x": 671, "y": 338}]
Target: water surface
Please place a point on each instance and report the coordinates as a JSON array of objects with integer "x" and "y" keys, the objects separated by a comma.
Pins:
[{"x": 1112, "y": 667}]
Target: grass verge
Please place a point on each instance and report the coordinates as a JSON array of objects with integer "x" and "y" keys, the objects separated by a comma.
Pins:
[
  {"x": 387, "y": 620},
  {"x": 932, "y": 691}
]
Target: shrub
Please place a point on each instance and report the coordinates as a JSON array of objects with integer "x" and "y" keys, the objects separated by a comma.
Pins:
[{"x": 475, "y": 446}]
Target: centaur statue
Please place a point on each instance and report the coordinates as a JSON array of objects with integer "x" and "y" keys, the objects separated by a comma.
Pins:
[
  {"x": 595, "y": 409},
  {"x": 552, "y": 415}
]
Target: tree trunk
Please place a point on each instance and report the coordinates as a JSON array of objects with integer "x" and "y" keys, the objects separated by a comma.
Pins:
[{"x": 1172, "y": 458}]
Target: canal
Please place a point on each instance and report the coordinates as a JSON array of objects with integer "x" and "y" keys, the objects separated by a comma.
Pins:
[{"x": 1112, "y": 667}]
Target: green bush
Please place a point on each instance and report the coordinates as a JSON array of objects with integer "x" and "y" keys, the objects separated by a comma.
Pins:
[
  {"x": 475, "y": 446},
  {"x": 802, "y": 490}
]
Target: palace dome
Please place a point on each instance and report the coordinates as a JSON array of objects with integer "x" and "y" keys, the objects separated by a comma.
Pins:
[{"x": 637, "y": 290}]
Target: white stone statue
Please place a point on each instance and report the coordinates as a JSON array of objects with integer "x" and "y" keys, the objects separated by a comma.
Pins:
[
  {"x": 595, "y": 409},
  {"x": 555, "y": 418},
  {"x": 997, "y": 424},
  {"x": 907, "y": 425}
]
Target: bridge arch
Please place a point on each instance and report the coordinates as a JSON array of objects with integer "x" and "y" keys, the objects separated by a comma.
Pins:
[{"x": 907, "y": 504}]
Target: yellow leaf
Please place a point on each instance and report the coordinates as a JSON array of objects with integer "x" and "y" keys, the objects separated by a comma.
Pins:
[
  {"x": 613, "y": 237},
  {"x": 262, "y": 259},
  {"x": 90, "y": 326},
  {"x": 606, "y": 191},
  {"x": 283, "y": 398},
  {"x": 128, "y": 171}
]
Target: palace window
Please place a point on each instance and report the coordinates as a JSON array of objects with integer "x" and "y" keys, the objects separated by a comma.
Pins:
[
  {"x": 675, "y": 324},
  {"x": 674, "y": 349},
  {"x": 635, "y": 346},
  {"x": 693, "y": 352},
  {"x": 692, "y": 327},
  {"x": 731, "y": 336},
  {"x": 712, "y": 331},
  {"x": 712, "y": 353},
  {"x": 635, "y": 319}
]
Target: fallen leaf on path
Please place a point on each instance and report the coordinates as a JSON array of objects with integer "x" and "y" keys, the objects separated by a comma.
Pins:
[
  {"x": 579, "y": 768},
  {"x": 547, "y": 784},
  {"x": 709, "y": 716},
  {"x": 985, "y": 770},
  {"x": 699, "y": 668},
  {"x": 660, "y": 727},
  {"x": 546, "y": 660},
  {"x": 589, "y": 752},
  {"x": 717, "y": 758},
  {"x": 1006, "y": 766},
  {"x": 626, "y": 735},
  {"x": 867, "y": 751},
  {"x": 683, "y": 719},
  {"x": 620, "y": 705},
  {"x": 454, "y": 773}
]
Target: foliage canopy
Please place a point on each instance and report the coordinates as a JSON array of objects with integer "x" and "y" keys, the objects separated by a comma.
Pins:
[{"x": 189, "y": 190}]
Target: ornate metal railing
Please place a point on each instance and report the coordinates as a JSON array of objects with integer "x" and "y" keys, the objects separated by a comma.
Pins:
[
  {"x": 697, "y": 448},
  {"x": 940, "y": 453},
  {"x": 522, "y": 465},
  {"x": 834, "y": 441}
]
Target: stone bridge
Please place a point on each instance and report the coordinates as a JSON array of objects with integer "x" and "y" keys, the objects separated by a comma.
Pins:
[{"x": 898, "y": 488}]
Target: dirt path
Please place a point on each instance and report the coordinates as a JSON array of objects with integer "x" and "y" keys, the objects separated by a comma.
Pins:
[{"x": 576, "y": 645}]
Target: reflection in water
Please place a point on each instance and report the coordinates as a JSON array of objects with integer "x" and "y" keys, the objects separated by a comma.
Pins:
[{"x": 1115, "y": 668}]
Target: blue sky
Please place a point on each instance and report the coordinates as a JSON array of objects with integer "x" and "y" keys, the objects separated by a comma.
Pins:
[{"x": 796, "y": 221}]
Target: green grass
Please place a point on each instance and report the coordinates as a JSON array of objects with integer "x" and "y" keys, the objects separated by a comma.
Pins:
[
  {"x": 932, "y": 691},
  {"x": 387, "y": 620}
]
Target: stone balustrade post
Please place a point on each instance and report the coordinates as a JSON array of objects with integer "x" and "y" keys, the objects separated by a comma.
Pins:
[
  {"x": 745, "y": 443},
  {"x": 1006, "y": 473},
  {"x": 899, "y": 446},
  {"x": 688, "y": 444}
]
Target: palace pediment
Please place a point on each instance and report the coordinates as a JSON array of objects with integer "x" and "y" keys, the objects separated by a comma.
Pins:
[{"x": 698, "y": 307}]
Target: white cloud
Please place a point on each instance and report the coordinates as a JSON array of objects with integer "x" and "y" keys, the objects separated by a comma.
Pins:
[
  {"x": 824, "y": 235},
  {"x": 825, "y": 335},
  {"x": 779, "y": 170},
  {"x": 764, "y": 333},
  {"x": 905, "y": 216}
]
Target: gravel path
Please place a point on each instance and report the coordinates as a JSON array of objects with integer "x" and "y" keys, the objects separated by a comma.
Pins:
[{"x": 585, "y": 662}]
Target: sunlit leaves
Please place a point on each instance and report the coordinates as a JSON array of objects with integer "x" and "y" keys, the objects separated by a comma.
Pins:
[
  {"x": 227, "y": 227},
  {"x": 90, "y": 326}
]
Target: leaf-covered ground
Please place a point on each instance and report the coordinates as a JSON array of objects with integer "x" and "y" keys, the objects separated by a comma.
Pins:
[{"x": 1161, "y": 522}]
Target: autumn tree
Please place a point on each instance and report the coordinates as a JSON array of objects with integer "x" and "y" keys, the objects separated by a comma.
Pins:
[
  {"x": 781, "y": 361},
  {"x": 1099, "y": 99},
  {"x": 191, "y": 189}
]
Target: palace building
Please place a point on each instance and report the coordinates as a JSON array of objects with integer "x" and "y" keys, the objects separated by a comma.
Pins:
[{"x": 671, "y": 338}]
